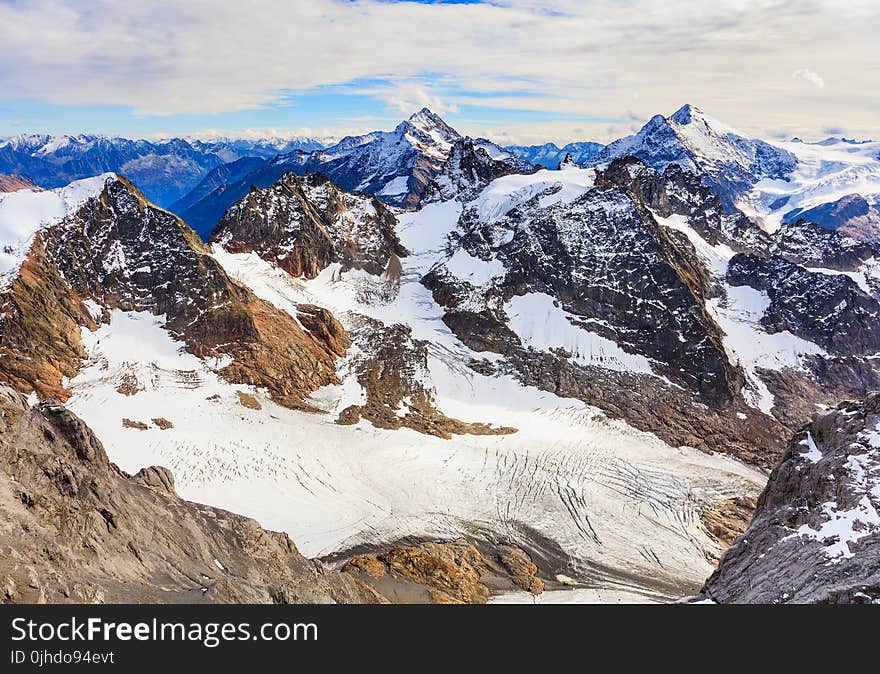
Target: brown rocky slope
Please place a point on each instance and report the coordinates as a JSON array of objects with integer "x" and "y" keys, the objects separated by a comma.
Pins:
[{"x": 75, "y": 528}]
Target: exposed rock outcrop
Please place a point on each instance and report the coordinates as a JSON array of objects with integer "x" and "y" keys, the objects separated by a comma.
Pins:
[
  {"x": 14, "y": 182},
  {"x": 305, "y": 223},
  {"x": 392, "y": 369},
  {"x": 450, "y": 572},
  {"x": 815, "y": 536},
  {"x": 827, "y": 309},
  {"x": 75, "y": 528},
  {"x": 468, "y": 170}
]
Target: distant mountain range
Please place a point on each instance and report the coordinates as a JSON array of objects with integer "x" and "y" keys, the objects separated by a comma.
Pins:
[
  {"x": 834, "y": 183},
  {"x": 394, "y": 165},
  {"x": 164, "y": 170},
  {"x": 550, "y": 156}
]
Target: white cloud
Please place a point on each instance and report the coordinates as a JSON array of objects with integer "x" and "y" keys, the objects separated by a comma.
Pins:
[
  {"x": 809, "y": 76},
  {"x": 563, "y": 57}
]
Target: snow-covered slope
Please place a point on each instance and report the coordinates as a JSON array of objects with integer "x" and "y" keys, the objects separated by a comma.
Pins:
[
  {"x": 831, "y": 174},
  {"x": 591, "y": 498},
  {"x": 25, "y": 212},
  {"x": 562, "y": 360},
  {"x": 727, "y": 160}
]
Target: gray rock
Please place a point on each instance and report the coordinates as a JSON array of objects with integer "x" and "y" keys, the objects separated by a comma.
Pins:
[{"x": 815, "y": 535}]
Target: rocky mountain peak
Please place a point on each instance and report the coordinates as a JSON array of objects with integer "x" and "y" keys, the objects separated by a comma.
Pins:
[
  {"x": 727, "y": 161},
  {"x": 116, "y": 251},
  {"x": 428, "y": 132},
  {"x": 685, "y": 114},
  {"x": 305, "y": 223},
  {"x": 688, "y": 114},
  {"x": 467, "y": 171}
]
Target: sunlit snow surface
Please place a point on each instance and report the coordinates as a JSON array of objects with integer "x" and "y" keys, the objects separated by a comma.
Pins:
[
  {"x": 25, "y": 212},
  {"x": 621, "y": 505},
  {"x": 825, "y": 172}
]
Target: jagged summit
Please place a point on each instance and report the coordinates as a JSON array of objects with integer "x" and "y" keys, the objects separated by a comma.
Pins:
[{"x": 428, "y": 120}]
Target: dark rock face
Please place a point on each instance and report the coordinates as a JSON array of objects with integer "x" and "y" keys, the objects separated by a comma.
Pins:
[
  {"x": 676, "y": 191},
  {"x": 815, "y": 536},
  {"x": 810, "y": 245},
  {"x": 607, "y": 260},
  {"x": 621, "y": 275},
  {"x": 124, "y": 253},
  {"x": 829, "y": 310},
  {"x": 303, "y": 224},
  {"x": 75, "y": 528},
  {"x": 467, "y": 171}
]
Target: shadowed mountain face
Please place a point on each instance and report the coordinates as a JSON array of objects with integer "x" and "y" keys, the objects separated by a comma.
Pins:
[
  {"x": 853, "y": 213},
  {"x": 164, "y": 170},
  {"x": 550, "y": 156}
]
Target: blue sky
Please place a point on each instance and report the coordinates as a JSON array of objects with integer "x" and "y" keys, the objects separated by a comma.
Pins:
[{"x": 513, "y": 70}]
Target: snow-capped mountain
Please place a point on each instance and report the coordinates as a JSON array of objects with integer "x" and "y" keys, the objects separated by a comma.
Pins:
[
  {"x": 835, "y": 184},
  {"x": 728, "y": 161},
  {"x": 229, "y": 148},
  {"x": 394, "y": 165},
  {"x": 99, "y": 246},
  {"x": 549, "y": 155},
  {"x": 164, "y": 169}
]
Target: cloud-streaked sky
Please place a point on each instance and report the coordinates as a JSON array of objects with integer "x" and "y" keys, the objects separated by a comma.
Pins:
[{"x": 514, "y": 70}]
